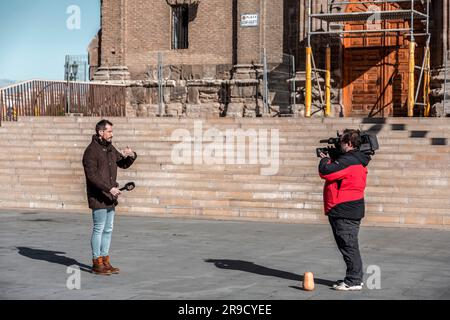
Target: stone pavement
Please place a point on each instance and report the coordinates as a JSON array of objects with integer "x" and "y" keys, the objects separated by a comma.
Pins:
[{"x": 163, "y": 258}]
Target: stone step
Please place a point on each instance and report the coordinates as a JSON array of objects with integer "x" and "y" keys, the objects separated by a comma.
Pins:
[
  {"x": 258, "y": 196},
  {"x": 158, "y": 129},
  {"x": 421, "y": 201},
  {"x": 173, "y": 136},
  {"x": 306, "y": 163},
  {"x": 286, "y": 150},
  {"x": 293, "y": 207},
  {"x": 319, "y": 129},
  {"x": 414, "y": 220},
  {"x": 157, "y": 155},
  {"x": 221, "y": 123},
  {"x": 169, "y": 142},
  {"x": 392, "y": 146},
  {"x": 316, "y": 131},
  {"x": 304, "y": 132},
  {"x": 54, "y": 176},
  {"x": 395, "y": 172},
  {"x": 435, "y": 186},
  {"x": 22, "y": 181},
  {"x": 179, "y": 211},
  {"x": 287, "y": 120},
  {"x": 305, "y": 139}
]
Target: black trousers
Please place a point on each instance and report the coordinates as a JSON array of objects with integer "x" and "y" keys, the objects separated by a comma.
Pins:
[{"x": 345, "y": 233}]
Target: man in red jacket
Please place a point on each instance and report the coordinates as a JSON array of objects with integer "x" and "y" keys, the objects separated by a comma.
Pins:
[{"x": 343, "y": 194}]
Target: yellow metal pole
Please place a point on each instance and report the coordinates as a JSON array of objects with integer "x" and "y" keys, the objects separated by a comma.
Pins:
[
  {"x": 328, "y": 82},
  {"x": 308, "y": 84},
  {"x": 426, "y": 84},
  {"x": 412, "y": 64}
]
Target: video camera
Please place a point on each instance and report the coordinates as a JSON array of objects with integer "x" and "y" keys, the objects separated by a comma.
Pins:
[{"x": 369, "y": 143}]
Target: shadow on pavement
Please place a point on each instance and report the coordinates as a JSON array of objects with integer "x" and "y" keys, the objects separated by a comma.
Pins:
[
  {"x": 257, "y": 269},
  {"x": 52, "y": 257}
]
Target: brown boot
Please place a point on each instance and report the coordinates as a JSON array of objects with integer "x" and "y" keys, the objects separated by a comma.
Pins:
[
  {"x": 108, "y": 265},
  {"x": 99, "y": 268}
]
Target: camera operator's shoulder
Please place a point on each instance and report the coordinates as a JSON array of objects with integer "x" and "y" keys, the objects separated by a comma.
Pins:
[{"x": 349, "y": 159}]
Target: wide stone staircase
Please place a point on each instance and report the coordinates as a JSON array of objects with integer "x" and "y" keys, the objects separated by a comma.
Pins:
[{"x": 408, "y": 181}]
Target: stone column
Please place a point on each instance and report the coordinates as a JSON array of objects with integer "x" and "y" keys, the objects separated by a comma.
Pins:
[
  {"x": 440, "y": 43},
  {"x": 445, "y": 22},
  {"x": 248, "y": 40},
  {"x": 439, "y": 31},
  {"x": 245, "y": 84},
  {"x": 442, "y": 110},
  {"x": 113, "y": 24}
]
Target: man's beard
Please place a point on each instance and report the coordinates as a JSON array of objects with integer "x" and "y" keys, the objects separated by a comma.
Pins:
[{"x": 104, "y": 141}]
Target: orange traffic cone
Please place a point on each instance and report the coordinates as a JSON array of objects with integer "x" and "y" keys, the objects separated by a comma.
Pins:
[{"x": 308, "y": 281}]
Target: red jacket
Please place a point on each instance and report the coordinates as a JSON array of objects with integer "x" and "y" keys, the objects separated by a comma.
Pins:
[{"x": 345, "y": 181}]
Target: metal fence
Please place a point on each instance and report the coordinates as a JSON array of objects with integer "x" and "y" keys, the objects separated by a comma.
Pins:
[
  {"x": 161, "y": 80},
  {"x": 279, "y": 92},
  {"x": 57, "y": 98}
]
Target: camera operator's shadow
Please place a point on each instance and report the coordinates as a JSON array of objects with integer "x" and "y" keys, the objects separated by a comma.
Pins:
[
  {"x": 264, "y": 271},
  {"x": 52, "y": 257}
]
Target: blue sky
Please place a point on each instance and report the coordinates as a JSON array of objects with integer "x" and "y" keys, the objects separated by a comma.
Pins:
[{"x": 34, "y": 37}]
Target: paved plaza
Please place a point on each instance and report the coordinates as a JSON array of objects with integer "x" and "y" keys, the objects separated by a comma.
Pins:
[{"x": 168, "y": 258}]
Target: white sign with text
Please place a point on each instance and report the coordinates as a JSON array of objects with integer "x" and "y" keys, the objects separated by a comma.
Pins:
[{"x": 249, "y": 20}]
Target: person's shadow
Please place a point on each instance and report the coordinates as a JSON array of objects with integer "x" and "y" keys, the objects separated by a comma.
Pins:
[
  {"x": 52, "y": 257},
  {"x": 264, "y": 271}
]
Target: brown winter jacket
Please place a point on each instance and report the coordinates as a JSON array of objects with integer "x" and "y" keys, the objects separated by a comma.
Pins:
[{"x": 100, "y": 162}]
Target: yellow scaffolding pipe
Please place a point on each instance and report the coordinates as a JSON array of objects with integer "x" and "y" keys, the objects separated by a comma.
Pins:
[
  {"x": 328, "y": 82},
  {"x": 308, "y": 84},
  {"x": 412, "y": 65},
  {"x": 426, "y": 83}
]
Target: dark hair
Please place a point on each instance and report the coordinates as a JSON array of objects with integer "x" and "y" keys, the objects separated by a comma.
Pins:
[
  {"x": 102, "y": 125},
  {"x": 352, "y": 136}
]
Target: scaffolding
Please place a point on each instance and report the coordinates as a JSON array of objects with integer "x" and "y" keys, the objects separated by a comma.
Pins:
[
  {"x": 445, "y": 99},
  {"x": 334, "y": 28}
]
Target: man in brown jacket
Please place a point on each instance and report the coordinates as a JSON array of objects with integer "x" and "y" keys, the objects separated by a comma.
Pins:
[{"x": 100, "y": 162}]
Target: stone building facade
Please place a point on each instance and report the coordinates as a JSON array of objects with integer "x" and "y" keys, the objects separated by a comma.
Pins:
[{"x": 201, "y": 58}]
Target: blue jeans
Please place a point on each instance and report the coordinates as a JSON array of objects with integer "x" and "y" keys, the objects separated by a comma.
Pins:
[{"x": 102, "y": 232}]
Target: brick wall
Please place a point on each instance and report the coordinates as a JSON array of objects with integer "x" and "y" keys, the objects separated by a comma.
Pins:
[
  {"x": 112, "y": 23},
  {"x": 134, "y": 31},
  {"x": 149, "y": 32}
]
